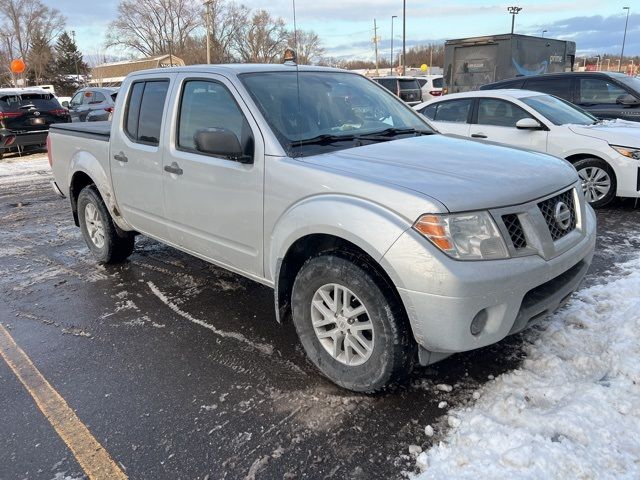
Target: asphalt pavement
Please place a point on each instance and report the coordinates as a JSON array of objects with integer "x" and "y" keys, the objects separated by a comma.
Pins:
[{"x": 179, "y": 369}]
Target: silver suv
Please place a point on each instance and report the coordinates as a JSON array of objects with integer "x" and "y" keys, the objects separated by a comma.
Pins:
[{"x": 92, "y": 104}]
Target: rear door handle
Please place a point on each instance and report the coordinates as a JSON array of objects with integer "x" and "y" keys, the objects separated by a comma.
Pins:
[
  {"x": 173, "y": 168},
  {"x": 121, "y": 157},
  {"x": 478, "y": 135}
]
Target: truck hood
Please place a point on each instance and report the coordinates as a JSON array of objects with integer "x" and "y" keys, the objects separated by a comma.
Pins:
[
  {"x": 614, "y": 132},
  {"x": 461, "y": 174}
]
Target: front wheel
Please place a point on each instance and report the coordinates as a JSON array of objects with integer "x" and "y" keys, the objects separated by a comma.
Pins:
[
  {"x": 108, "y": 243},
  {"x": 350, "y": 325},
  {"x": 598, "y": 181}
]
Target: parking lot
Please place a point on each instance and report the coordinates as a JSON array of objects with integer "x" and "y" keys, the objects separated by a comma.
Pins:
[{"x": 179, "y": 369}]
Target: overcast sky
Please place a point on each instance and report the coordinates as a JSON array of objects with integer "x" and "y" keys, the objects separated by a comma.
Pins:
[{"x": 346, "y": 26}]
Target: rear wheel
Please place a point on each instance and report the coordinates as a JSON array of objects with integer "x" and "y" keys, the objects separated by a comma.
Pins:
[
  {"x": 598, "y": 181},
  {"x": 350, "y": 325},
  {"x": 107, "y": 242}
]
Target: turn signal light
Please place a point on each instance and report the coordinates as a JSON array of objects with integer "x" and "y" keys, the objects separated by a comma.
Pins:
[{"x": 432, "y": 227}]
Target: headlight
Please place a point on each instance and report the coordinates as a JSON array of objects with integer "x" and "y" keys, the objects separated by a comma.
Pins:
[
  {"x": 628, "y": 152},
  {"x": 464, "y": 236}
]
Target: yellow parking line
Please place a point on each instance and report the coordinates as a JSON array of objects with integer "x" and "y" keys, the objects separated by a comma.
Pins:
[{"x": 91, "y": 456}]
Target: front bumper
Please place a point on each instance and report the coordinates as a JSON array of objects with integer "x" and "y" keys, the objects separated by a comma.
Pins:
[{"x": 442, "y": 296}]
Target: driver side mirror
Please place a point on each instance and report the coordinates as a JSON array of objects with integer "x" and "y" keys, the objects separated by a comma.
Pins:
[
  {"x": 627, "y": 99},
  {"x": 221, "y": 142},
  {"x": 528, "y": 124},
  {"x": 65, "y": 104}
]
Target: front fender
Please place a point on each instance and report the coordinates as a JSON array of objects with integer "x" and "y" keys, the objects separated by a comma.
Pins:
[
  {"x": 370, "y": 226},
  {"x": 83, "y": 161}
]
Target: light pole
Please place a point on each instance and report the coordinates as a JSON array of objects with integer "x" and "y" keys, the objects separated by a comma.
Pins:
[
  {"x": 543, "y": 32},
  {"x": 513, "y": 11},
  {"x": 75, "y": 56},
  {"x": 624, "y": 38},
  {"x": 404, "y": 37},
  {"x": 391, "y": 68}
]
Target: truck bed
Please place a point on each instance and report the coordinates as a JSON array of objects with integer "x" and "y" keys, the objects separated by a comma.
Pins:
[{"x": 95, "y": 130}]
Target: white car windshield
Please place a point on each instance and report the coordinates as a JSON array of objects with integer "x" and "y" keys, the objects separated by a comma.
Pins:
[
  {"x": 330, "y": 110},
  {"x": 558, "y": 111}
]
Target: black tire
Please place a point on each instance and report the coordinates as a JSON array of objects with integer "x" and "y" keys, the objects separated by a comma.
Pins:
[
  {"x": 393, "y": 352},
  {"x": 588, "y": 164},
  {"x": 117, "y": 245}
]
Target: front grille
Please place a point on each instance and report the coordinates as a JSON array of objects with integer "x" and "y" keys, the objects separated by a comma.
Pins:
[
  {"x": 548, "y": 210},
  {"x": 514, "y": 227}
]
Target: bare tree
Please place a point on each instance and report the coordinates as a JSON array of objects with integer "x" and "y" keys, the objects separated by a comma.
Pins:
[
  {"x": 308, "y": 46},
  {"x": 227, "y": 22},
  {"x": 262, "y": 39},
  {"x": 150, "y": 26},
  {"x": 23, "y": 19}
]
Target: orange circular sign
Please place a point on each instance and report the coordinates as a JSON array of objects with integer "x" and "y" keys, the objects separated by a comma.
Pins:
[{"x": 18, "y": 65}]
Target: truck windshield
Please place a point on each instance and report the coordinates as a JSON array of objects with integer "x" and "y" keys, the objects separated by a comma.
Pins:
[
  {"x": 330, "y": 110},
  {"x": 558, "y": 111}
]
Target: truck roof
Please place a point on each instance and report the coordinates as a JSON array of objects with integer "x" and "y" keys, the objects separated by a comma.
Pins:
[{"x": 239, "y": 68}]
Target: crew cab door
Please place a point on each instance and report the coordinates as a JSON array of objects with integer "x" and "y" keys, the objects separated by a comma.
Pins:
[
  {"x": 496, "y": 120},
  {"x": 136, "y": 154},
  {"x": 214, "y": 204}
]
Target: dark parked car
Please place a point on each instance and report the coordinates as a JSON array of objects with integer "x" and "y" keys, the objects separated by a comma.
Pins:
[
  {"x": 92, "y": 104},
  {"x": 27, "y": 114},
  {"x": 407, "y": 88},
  {"x": 603, "y": 94}
]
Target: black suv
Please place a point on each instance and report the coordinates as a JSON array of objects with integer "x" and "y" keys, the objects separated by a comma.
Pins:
[
  {"x": 407, "y": 88},
  {"x": 605, "y": 95},
  {"x": 27, "y": 113}
]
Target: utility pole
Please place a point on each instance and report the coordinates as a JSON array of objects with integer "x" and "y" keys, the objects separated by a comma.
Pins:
[
  {"x": 624, "y": 38},
  {"x": 404, "y": 37},
  {"x": 75, "y": 56},
  {"x": 430, "y": 59},
  {"x": 7, "y": 37},
  {"x": 391, "y": 68},
  {"x": 375, "y": 43},
  {"x": 513, "y": 11},
  {"x": 208, "y": 24},
  {"x": 170, "y": 52}
]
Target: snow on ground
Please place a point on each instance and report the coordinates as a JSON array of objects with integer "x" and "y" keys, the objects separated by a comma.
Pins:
[
  {"x": 572, "y": 410},
  {"x": 23, "y": 169}
]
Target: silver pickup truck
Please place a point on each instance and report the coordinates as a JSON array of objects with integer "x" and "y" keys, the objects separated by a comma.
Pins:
[{"x": 385, "y": 242}]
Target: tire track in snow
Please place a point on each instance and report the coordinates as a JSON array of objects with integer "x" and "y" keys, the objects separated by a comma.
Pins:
[{"x": 262, "y": 347}]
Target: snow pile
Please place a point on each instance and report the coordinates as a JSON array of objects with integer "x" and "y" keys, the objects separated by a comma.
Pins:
[
  {"x": 25, "y": 169},
  {"x": 572, "y": 410}
]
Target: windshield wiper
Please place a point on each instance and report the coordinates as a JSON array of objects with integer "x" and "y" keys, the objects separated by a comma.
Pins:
[
  {"x": 323, "y": 139},
  {"x": 393, "y": 131}
]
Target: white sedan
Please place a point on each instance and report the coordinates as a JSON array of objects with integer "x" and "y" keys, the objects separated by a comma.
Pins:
[{"x": 605, "y": 153}]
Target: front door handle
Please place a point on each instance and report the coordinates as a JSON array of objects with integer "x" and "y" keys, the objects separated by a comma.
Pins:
[
  {"x": 478, "y": 135},
  {"x": 173, "y": 168},
  {"x": 121, "y": 157}
]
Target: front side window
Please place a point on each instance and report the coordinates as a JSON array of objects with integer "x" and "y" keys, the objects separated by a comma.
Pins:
[
  {"x": 596, "y": 90},
  {"x": 456, "y": 111},
  {"x": 499, "y": 113},
  {"x": 430, "y": 111},
  {"x": 77, "y": 99},
  {"x": 143, "y": 117},
  {"x": 206, "y": 104}
]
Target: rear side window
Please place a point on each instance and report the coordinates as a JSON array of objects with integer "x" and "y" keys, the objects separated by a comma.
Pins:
[
  {"x": 456, "y": 111},
  {"x": 98, "y": 98},
  {"x": 560, "y": 87},
  {"x": 143, "y": 117},
  {"x": 437, "y": 82},
  {"x": 389, "y": 84}
]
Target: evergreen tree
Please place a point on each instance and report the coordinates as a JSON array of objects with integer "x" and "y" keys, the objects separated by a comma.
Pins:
[
  {"x": 40, "y": 60},
  {"x": 68, "y": 58}
]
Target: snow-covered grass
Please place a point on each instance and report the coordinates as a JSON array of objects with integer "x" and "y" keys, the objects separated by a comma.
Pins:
[
  {"x": 23, "y": 169},
  {"x": 572, "y": 410}
]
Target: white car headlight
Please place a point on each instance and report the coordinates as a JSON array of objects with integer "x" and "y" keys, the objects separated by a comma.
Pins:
[
  {"x": 464, "y": 236},
  {"x": 629, "y": 152}
]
